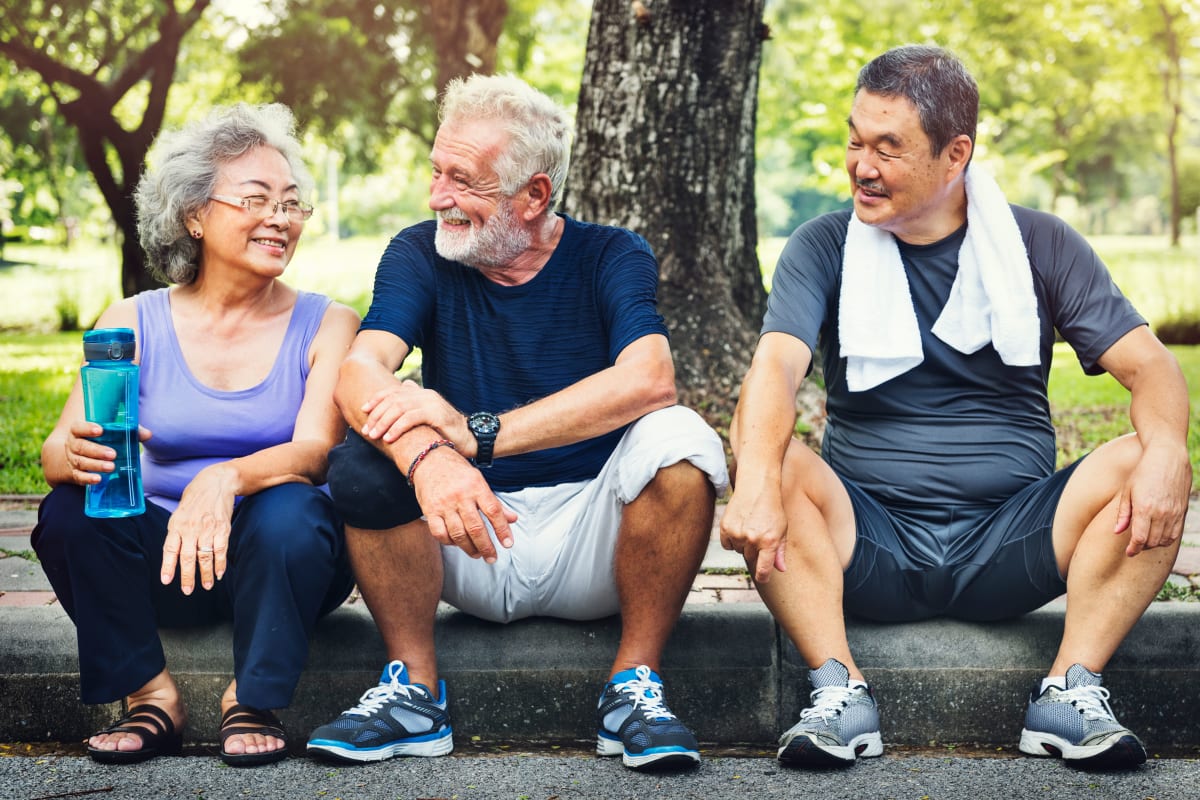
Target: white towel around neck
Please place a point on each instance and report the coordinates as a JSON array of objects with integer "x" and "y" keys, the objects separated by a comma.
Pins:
[{"x": 991, "y": 300}]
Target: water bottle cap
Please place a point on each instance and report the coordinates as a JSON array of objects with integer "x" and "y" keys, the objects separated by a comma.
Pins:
[{"x": 109, "y": 344}]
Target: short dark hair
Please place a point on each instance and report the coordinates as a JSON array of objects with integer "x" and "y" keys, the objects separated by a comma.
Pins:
[{"x": 936, "y": 82}]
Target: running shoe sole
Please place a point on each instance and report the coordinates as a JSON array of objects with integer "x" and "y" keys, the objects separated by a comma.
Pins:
[
  {"x": 1118, "y": 750},
  {"x": 439, "y": 744},
  {"x": 654, "y": 757},
  {"x": 804, "y": 750}
]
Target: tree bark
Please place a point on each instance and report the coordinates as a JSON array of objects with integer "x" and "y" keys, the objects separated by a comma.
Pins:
[{"x": 665, "y": 146}]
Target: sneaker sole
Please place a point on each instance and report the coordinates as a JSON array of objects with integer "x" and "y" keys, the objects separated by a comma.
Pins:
[
  {"x": 803, "y": 750},
  {"x": 341, "y": 752},
  {"x": 1119, "y": 751},
  {"x": 665, "y": 757}
]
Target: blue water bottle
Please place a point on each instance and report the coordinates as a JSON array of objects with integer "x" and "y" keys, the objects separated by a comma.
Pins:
[{"x": 110, "y": 398}]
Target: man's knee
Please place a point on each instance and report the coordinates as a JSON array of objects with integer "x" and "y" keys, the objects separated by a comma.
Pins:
[
  {"x": 1107, "y": 467},
  {"x": 668, "y": 437},
  {"x": 368, "y": 490}
]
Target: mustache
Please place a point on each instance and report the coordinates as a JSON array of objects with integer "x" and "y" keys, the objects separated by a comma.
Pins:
[
  {"x": 453, "y": 215},
  {"x": 870, "y": 186}
]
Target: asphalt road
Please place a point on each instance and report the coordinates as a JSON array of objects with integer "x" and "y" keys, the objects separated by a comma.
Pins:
[{"x": 572, "y": 775}]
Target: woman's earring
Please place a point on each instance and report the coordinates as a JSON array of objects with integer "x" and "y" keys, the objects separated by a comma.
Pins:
[{"x": 196, "y": 234}]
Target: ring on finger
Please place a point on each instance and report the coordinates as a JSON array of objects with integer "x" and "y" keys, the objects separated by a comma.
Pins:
[{"x": 204, "y": 549}]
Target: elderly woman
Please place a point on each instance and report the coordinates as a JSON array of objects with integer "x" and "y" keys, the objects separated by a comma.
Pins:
[{"x": 236, "y": 393}]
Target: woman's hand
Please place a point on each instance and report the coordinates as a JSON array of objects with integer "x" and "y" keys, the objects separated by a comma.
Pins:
[
  {"x": 198, "y": 531},
  {"x": 87, "y": 458}
]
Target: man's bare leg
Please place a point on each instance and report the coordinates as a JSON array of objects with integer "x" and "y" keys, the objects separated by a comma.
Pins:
[
  {"x": 399, "y": 573},
  {"x": 664, "y": 534},
  {"x": 806, "y": 599},
  {"x": 1107, "y": 591}
]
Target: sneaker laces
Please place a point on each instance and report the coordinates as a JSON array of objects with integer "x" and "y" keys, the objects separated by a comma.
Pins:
[
  {"x": 827, "y": 703},
  {"x": 1091, "y": 701},
  {"x": 376, "y": 697},
  {"x": 645, "y": 693}
]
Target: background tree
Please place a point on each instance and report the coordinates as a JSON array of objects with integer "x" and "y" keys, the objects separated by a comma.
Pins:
[
  {"x": 665, "y": 146},
  {"x": 108, "y": 66},
  {"x": 1172, "y": 24},
  {"x": 361, "y": 73}
]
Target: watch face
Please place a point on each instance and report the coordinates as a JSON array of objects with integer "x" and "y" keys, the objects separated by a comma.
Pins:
[{"x": 484, "y": 423}]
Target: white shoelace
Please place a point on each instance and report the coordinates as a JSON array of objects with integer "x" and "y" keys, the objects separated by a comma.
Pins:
[
  {"x": 374, "y": 698},
  {"x": 1092, "y": 701},
  {"x": 827, "y": 703},
  {"x": 646, "y": 693}
]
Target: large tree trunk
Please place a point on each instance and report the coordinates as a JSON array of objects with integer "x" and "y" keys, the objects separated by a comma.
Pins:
[{"x": 665, "y": 146}]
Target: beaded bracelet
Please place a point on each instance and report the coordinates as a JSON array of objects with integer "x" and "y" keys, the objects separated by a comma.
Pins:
[{"x": 429, "y": 448}]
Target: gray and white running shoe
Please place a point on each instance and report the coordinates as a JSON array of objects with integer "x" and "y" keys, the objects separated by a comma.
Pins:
[
  {"x": 841, "y": 725},
  {"x": 1078, "y": 725}
]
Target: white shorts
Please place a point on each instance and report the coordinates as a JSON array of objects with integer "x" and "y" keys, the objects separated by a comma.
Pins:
[{"x": 561, "y": 561}]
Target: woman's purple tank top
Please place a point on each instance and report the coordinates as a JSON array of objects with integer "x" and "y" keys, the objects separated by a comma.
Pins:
[{"x": 194, "y": 425}]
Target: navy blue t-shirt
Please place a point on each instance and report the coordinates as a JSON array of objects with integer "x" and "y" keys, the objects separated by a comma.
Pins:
[
  {"x": 957, "y": 429},
  {"x": 487, "y": 347}
]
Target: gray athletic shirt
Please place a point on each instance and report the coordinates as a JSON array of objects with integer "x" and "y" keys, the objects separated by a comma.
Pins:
[{"x": 957, "y": 429}]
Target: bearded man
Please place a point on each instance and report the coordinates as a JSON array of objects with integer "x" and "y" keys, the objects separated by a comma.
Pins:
[{"x": 542, "y": 468}]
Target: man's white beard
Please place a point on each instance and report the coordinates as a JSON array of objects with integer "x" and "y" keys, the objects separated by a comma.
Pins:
[{"x": 496, "y": 244}]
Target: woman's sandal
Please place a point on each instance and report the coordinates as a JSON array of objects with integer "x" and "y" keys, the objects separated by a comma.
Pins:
[
  {"x": 154, "y": 727},
  {"x": 242, "y": 719}
]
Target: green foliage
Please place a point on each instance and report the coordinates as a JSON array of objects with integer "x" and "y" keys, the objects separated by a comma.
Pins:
[
  {"x": 1071, "y": 96},
  {"x": 360, "y": 71},
  {"x": 1178, "y": 591}
]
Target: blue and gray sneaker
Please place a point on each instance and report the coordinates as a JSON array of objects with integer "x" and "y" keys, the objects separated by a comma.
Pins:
[
  {"x": 395, "y": 718},
  {"x": 635, "y": 724},
  {"x": 1078, "y": 725},
  {"x": 841, "y": 725}
]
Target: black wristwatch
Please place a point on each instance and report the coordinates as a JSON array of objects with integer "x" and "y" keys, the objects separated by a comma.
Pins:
[{"x": 484, "y": 426}]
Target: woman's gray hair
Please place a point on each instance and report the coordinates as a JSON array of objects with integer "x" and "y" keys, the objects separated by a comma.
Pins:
[
  {"x": 183, "y": 169},
  {"x": 937, "y": 83},
  {"x": 539, "y": 130}
]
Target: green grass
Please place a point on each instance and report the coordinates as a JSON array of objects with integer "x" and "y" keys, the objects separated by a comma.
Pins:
[
  {"x": 1089, "y": 410},
  {"x": 36, "y": 374}
]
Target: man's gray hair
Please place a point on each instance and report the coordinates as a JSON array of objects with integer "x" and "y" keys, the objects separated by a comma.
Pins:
[
  {"x": 539, "y": 130},
  {"x": 183, "y": 169},
  {"x": 936, "y": 82}
]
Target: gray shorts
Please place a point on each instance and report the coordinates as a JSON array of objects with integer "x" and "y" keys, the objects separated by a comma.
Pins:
[{"x": 970, "y": 562}]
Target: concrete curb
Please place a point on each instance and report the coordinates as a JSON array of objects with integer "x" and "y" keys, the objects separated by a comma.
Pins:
[{"x": 729, "y": 672}]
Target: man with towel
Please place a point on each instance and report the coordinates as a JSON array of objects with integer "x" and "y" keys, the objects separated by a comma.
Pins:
[{"x": 934, "y": 305}]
